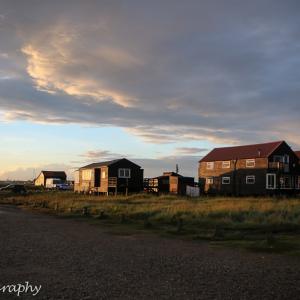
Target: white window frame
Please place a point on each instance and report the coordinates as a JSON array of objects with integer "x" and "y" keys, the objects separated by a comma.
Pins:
[
  {"x": 209, "y": 180},
  {"x": 225, "y": 178},
  {"x": 226, "y": 164},
  {"x": 268, "y": 186},
  {"x": 250, "y": 163},
  {"x": 251, "y": 178},
  {"x": 210, "y": 165},
  {"x": 122, "y": 173}
]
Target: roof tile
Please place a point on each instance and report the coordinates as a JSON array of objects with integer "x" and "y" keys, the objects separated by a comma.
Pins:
[{"x": 240, "y": 152}]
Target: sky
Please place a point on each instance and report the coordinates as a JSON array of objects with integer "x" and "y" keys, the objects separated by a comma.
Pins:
[{"x": 158, "y": 82}]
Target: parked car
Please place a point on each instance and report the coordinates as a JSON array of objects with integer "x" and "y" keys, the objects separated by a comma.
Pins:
[
  {"x": 14, "y": 188},
  {"x": 64, "y": 187},
  {"x": 57, "y": 183}
]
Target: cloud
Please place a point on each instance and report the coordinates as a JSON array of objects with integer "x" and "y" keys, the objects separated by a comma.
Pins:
[
  {"x": 190, "y": 150},
  {"x": 101, "y": 155},
  {"x": 165, "y": 71}
]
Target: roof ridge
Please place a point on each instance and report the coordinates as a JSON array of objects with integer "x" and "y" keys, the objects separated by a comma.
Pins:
[
  {"x": 242, "y": 151},
  {"x": 248, "y": 145}
]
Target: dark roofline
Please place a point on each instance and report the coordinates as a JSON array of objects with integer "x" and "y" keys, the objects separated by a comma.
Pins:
[
  {"x": 53, "y": 172},
  {"x": 249, "y": 145},
  {"x": 106, "y": 163}
]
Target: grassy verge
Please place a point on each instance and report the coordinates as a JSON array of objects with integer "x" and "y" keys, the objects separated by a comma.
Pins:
[{"x": 264, "y": 224}]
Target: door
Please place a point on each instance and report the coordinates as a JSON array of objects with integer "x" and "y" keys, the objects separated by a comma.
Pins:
[
  {"x": 97, "y": 178},
  {"x": 271, "y": 182}
]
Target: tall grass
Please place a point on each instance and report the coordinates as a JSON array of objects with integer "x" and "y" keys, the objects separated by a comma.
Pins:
[
  {"x": 168, "y": 209},
  {"x": 260, "y": 224}
]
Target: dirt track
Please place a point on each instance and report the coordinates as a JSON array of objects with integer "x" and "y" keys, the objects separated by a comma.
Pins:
[{"x": 76, "y": 260}]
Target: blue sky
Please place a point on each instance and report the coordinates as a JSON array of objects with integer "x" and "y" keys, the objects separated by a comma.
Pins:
[
  {"x": 159, "y": 82},
  {"x": 27, "y": 147}
]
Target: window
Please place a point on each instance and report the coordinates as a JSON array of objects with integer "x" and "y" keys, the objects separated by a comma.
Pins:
[
  {"x": 57, "y": 181},
  {"x": 250, "y": 179},
  {"x": 76, "y": 177},
  {"x": 209, "y": 180},
  {"x": 225, "y": 180},
  {"x": 165, "y": 181},
  {"x": 210, "y": 165},
  {"x": 124, "y": 173},
  {"x": 226, "y": 164},
  {"x": 86, "y": 174},
  {"x": 285, "y": 182},
  {"x": 278, "y": 158},
  {"x": 103, "y": 174},
  {"x": 286, "y": 159},
  {"x": 271, "y": 181},
  {"x": 298, "y": 182},
  {"x": 250, "y": 163}
]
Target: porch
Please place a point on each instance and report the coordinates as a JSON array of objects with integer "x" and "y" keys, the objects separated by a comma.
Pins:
[{"x": 282, "y": 182}]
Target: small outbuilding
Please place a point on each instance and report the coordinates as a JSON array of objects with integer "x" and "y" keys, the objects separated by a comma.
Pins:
[
  {"x": 44, "y": 175},
  {"x": 169, "y": 182},
  {"x": 114, "y": 176}
]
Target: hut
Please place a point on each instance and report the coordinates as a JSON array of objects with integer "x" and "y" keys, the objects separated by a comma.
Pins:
[
  {"x": 169, "y": 182},
  {"x": 114, "y": 176},
  {"x": 44, "y": 175}
]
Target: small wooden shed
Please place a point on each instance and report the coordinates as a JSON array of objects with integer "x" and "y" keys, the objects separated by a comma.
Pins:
[
  {"x": 114, "y": 176},
  {"x": 44, "y": 175},
  {"x": 169, "y": 182}
]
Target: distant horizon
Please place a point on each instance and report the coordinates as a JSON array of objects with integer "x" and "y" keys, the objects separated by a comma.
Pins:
[{"x": 154, "y": 167}]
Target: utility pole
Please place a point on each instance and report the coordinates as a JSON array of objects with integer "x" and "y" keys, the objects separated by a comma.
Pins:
[{"x": 177, "y": 168}]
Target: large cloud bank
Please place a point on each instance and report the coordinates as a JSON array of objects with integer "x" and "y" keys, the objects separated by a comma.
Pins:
[{"x": 224, "y": 71}]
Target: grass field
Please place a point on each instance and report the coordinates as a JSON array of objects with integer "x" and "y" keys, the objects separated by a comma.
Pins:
[{"x": 268, "y": 224}]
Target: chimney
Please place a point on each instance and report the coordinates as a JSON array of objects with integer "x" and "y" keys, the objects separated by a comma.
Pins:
[{"x": 259, "y": 152}]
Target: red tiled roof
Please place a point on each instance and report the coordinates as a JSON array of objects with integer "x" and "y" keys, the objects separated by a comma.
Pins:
[
  {"x": 297, "y": 153},
  {"x": 239, "y": 152}
]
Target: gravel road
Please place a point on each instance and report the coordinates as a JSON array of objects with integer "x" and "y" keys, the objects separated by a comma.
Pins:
[{"x": 76, "y": 260}]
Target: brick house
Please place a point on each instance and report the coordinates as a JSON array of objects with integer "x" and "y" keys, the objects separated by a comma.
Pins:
[{"x": 259, "y": 169}]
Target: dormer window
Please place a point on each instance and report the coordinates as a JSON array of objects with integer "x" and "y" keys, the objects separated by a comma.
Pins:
[{"x": 226, "y": 164}]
